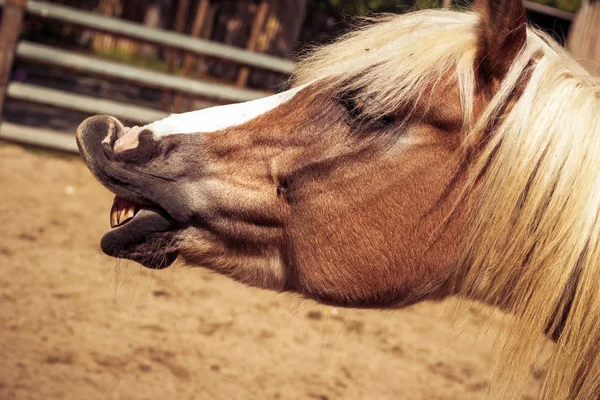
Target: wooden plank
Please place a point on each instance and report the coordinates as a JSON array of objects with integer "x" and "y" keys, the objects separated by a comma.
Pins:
[
  {"x": 12, "y": 20},
  {"x": 37, "y": 136},
  {"x": 61, "y": 58},
  {"x": 85, "y": 104},
  {"x": 172, "y": 56},
  {"x": 158, "y": 36},
  {"x": 553, "y": 12},
  {"x": 188, "y": 59},
  {"x": 257, "y": 27}
]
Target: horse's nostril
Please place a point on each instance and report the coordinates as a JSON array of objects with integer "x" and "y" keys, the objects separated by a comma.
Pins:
[
  {"x": 129, "y": 140},
  {"x": 112, "y": 133}
]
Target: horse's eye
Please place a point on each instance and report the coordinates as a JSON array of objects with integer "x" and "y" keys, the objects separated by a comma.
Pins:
[
  {"x": 357, "y": 118},
  {"x": 347, "y": 101}
]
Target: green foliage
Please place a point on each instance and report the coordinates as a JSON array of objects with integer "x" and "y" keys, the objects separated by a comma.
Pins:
[
  {"x": 420, "y": 4},
  {"x": 360, "y": 7},
  {"x": 363, "y": 7},
  {"x": 137, "y": 60},
  {"x": 326, "y": 19},
  {"x": 372, "y": 6},
  {"x": 567, "y": 5}
]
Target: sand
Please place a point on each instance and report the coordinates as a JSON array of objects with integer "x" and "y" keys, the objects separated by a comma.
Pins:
[{"x": 75, "y": 324}]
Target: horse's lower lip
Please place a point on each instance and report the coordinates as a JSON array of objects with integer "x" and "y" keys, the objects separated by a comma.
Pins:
[{"x": 145, "y": 238}]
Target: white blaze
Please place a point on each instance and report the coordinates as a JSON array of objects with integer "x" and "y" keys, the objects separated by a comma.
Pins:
[{"x": 220, "y": 117}]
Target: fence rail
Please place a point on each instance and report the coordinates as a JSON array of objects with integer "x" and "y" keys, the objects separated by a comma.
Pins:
[
  {"x": 84, "y": 104},
  {"x": 49, "y": 138},
  {"x": 12, "y": 18},
  {"x": 83, "y": 63},
  {"x": 553, "y": 12}
]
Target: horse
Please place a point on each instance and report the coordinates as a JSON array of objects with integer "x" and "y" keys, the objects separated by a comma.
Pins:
[{"x": 419, "y": 156}]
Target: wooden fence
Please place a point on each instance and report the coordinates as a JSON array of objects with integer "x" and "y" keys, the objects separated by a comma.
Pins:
[{"x": 13, "y": 15}]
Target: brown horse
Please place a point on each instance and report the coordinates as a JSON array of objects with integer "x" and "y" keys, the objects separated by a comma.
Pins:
[{"x": 423, "y": 155}]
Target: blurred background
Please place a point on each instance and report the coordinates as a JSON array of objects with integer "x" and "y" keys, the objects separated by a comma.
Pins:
[{"x": 75, "y": 324}]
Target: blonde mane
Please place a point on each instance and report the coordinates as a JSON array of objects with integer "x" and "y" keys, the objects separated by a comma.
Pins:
[{"x": 534, "y": 241}]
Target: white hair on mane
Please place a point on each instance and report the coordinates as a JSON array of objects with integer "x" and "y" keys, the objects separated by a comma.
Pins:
[{"x": 534, "y": 242}]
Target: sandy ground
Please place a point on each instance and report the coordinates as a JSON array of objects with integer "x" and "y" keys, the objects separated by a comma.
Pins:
[{"x": 75, "y": 324}]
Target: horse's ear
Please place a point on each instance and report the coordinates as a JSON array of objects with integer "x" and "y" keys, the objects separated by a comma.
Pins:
[{"x": 502, "y": 33}]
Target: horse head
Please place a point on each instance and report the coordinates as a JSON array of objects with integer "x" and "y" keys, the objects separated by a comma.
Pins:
[{"x": 426, "y": 154}]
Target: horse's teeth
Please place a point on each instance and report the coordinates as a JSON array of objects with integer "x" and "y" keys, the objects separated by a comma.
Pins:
[
  {"x": 127, "y": 214},
  {"x": 119, "y": 216},
  {"x": 114, "y": 212}
]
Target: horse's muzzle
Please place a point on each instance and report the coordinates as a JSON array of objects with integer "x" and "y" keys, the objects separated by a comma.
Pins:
[{"x": 140, "y": 212}]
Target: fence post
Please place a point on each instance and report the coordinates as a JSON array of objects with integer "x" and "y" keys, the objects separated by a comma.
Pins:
[
  {"x": 188, "y": 59},
  {"x": 257, "y": 27},
  {"x": 12, "y": 20}
]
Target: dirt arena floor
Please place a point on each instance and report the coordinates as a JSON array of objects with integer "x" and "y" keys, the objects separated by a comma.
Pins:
[{"x": 75, "y": 324}]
